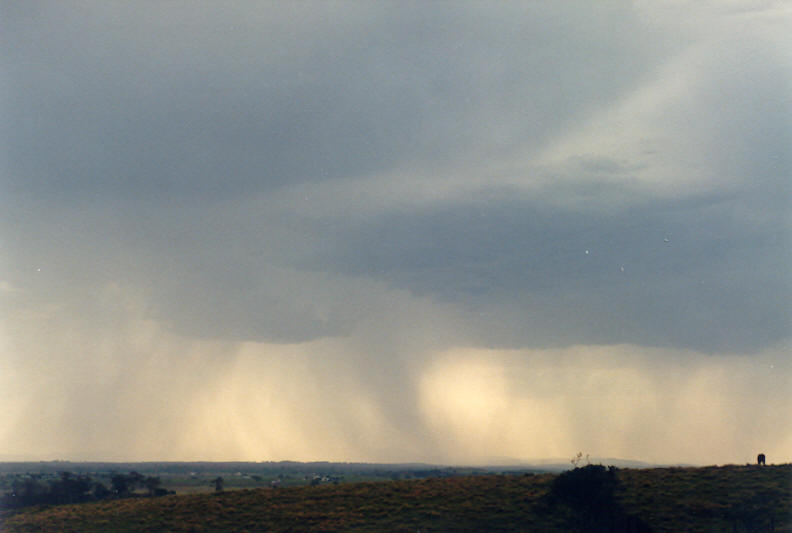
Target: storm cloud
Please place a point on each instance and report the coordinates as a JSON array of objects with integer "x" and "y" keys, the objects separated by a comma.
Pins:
[{"x": 383, "y": 197}]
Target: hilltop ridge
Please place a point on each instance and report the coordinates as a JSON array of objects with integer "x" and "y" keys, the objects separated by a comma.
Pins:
[{"x": 726, "y": 498}]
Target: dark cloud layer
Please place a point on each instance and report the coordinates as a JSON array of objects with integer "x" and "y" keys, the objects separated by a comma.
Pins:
[
  {"x": 119, "y": 101},
  {"x": 678, "y": 274},
  {"x": 158, "y": 147}
]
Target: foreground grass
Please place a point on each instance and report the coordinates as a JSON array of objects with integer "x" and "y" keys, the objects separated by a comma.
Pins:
[{"x": 730, "y": 498}]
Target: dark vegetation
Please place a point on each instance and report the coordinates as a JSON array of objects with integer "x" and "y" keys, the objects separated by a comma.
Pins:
[
  {"x": 184, "y": 478},
  {"x": 70, "y": 488},
  {"x": 592, "y": 499},
  {"x": 589, "y": 495}
]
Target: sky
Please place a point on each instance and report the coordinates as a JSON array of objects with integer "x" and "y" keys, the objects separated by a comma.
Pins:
[{"x": 451, "y": 232}]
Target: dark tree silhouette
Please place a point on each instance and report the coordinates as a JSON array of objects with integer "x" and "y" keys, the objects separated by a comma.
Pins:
[
  {"x": 100, "y": 492},
  {"x": 120, "y": 485},
  {"x": 72, "y": 488},
  {"x": 152, "y": 483},
  {"x": 760, "y": 459}
]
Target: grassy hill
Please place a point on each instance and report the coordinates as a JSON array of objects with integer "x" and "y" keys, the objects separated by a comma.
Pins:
[{"x": 717, "y": 499}]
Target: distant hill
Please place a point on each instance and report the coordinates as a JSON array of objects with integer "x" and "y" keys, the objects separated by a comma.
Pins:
[
  {"x": 558, "y": 464},
  {"x": 728, "y": 498}
]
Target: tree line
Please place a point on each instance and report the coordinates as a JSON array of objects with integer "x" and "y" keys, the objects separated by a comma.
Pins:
[{"x": 71, "y": 488}]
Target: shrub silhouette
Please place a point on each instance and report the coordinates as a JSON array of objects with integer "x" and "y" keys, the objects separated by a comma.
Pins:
[
  {"x": 589, "y": 487},
  {"x": 590, "y": 494}
]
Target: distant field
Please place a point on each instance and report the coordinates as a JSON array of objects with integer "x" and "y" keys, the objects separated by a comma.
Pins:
[
  {"x": 710, "y": 499},
  {"x": 192, "y": 477}
]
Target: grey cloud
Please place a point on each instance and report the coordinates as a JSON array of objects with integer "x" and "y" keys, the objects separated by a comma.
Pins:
[
  {"x": 161, "y": 104},
  {"x": 715, "y": 285},
  {"x": 131, "y": 156},
  {"x": 513, "y": 268}
]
